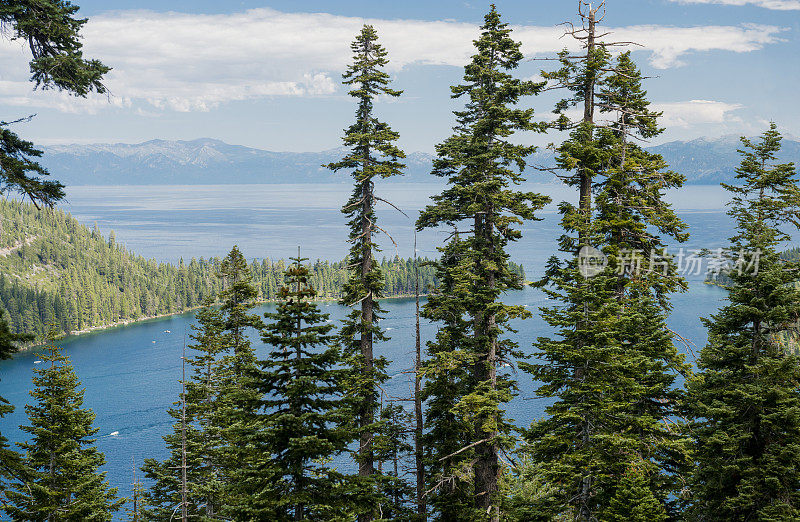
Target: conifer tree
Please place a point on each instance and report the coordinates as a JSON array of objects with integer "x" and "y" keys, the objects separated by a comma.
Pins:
[
  {"x": 745, "y": 400},
  {"x": 482, "y": 165},
  {"x": 613, "y": 365},
  {"x": 220, "y": 409},
  {"x": 202, "y": 449},
  {"x": 447, "y": 380},
  {"x": 298, "y": 432},
  {"x": 372, "y": 155},
  {"x": 62, "y": 477},
  {"x": 51, "y": 31},
  {"x": 234, "y": 414},
  {"x": 634, "y": 501}
]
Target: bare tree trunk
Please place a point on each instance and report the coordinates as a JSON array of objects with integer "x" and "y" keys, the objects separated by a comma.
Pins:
[
  {"x": 422, "y": 507},
  {"x": 184, "y": 511},
  {"x": 585, "y": 203}
]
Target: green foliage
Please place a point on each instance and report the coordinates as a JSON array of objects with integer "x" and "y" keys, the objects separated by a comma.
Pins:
[
  {"x": 745, "y": 403},
  {"x": 51, "y": 32},
  {"x": 220, "y": 410},
  {"x": 297, "y": 432},
  {"x": 57, "y": 271},
  {"x": 62, "y": 480},
  {"x": 372, "y": 154},
  {"x": 467, "y": 386},
  {"x": 204, "y": 499},
  {"x": 634, "y": 500},
  {"x": 613, "y": 365}
]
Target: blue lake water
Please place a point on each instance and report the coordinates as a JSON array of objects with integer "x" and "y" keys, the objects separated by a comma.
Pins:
[{"x": 131, "y": 372}]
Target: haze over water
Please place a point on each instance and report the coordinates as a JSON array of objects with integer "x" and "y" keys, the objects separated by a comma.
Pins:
[{"x": 131, "y": 373}]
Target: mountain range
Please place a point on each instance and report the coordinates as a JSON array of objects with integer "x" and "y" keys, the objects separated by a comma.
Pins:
[{"x": 208, "y": 161}]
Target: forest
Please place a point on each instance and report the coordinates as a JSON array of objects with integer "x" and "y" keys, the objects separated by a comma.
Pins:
[
  {"x": 631, "y": 431},
  {"x": 55, "y": 272}
]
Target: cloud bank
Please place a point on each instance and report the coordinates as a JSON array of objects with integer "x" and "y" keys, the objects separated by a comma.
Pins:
[
  {"x": 696, "y": 112},
  {"x": 193, "y": 62}
]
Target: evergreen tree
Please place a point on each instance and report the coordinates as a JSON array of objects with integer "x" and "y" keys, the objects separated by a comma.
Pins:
[
  {"x": 63, "y": 481},
  {"x": 745, "y": 401},
  {"x": 163, "y": 499},
  {"x": 51, "y": 32},
  {"x": 447, "y": 380},
  {"x": 372, "y": 155},
  {"x": 613, "y": 365},
  {"x": 234, "y": 415},
  {"x": 634, "y": 500},
  {"x": 298, "y": 432},
  {"x": 482, "y": 166}
]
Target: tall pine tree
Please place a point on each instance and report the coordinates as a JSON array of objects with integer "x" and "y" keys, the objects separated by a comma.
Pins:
[
  {"x": 62, "y": 477},
  {"x": 745, "y": 400},
  {"x": 220, "y": 410},
  {"x": 298, "y": 431},
  {"x": 482, "y": 166},
  {"x": 233, "y": 416},
  {"x": 613, "y": 366},
  {"x": 203, "y": 484},
  {"x": 372, "y": 155}
]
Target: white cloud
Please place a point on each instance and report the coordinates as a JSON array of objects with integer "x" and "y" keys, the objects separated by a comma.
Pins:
[
  {"x": 193, "y": 62},
  {"x": 669, "y": 44},
  {"x": 778, "y": 5},
  {"x": 687, "y": 114}
]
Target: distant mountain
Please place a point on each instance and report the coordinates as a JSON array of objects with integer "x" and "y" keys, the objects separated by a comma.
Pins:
[
  {"x": 201, "y": 161},
  {"x": 709, "y": 161},
  {"x": 209, "y": 161}
]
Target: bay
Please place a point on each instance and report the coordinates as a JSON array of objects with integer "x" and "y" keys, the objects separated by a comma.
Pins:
[{"x": 131, "y": 372}]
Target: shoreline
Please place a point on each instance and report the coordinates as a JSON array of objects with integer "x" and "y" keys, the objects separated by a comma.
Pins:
[{"x": 127, "y": 322}]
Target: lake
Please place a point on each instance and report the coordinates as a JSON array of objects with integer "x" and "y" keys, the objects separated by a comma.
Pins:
[{"x": 131, "y": 372}]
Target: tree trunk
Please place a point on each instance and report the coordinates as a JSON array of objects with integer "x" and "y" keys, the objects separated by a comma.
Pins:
[
  {"x": 585, "y": 203},
  {"x": 585, "y": 207},
  {"x": 418, "y": 449},
  {"x": 487, "y": 469},
  {"x": 366, "y": 465}
]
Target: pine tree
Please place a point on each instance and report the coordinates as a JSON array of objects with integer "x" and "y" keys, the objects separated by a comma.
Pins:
[
  {"x": 234, "y": 415},
  {"x": 298, "y": 432},
  {"x": 634, "y": 500},
  {"x": 63, "y": 481},
  {"x": 482, "y": 166},
  {"x": 744, "y": 401},
  {"x": 447, "y": 379},
  {"x": 163, "y": 497},
  {"x": 372, "y": 155},
  {"x": 613, "y": 365},
  {"x": 52, "y": 33}
]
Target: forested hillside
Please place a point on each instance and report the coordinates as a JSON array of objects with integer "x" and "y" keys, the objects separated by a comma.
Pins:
[{"x": 57, "y": 271}]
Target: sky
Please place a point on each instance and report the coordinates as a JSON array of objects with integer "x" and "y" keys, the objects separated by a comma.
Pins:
[{"x": 268, "y": 74}]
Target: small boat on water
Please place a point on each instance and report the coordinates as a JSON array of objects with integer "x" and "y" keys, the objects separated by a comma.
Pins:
[{"x": 36, "y": 362}]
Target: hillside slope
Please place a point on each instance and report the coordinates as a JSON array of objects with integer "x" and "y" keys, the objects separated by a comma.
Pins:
[{"x": 53, "y": 270}]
